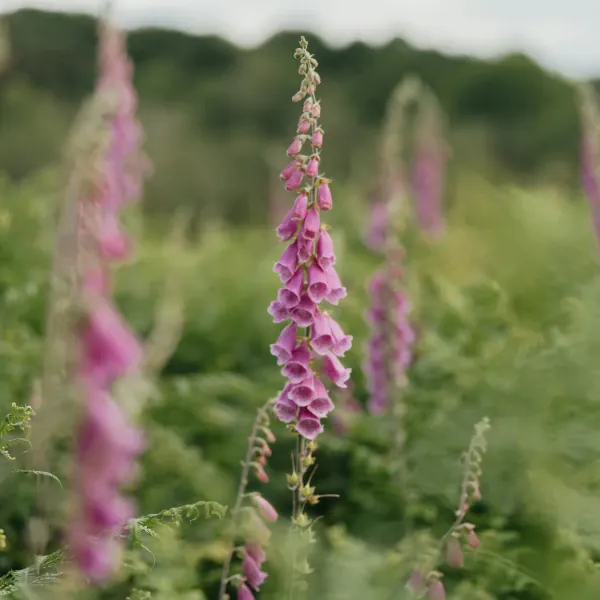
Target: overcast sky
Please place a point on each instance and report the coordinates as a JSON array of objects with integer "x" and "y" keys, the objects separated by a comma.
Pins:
[{"x": 561, "y": 34}]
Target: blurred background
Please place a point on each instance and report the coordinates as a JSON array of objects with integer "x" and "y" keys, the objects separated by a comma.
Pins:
[{"x": 506, "y": 304}]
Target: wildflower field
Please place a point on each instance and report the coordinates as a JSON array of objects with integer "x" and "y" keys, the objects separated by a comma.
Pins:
[{"x": 421, "y": 420}]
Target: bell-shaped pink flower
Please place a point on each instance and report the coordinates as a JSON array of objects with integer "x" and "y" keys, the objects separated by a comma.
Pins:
[
  {"x": 289, "y": 170},
  {"x": 113, "y": 243},
  {"x": 297, "y": 368},
  {"x": 278, "y": 311},
  {"x": 254, "y": 576},
  {"x": 295, "y": 180},
  {"x": 295, "y": 147},
  {"x": 311, "y": 224},
  {"x": 416, "y": 582},
  {"x": 334, "y": 369},
  {"x": 342, "y": 342},
  {"x": 286, "y": 410},
  {"x": 244, "y": 593},
  {"x": 312, "y": 169},
  {"x": 325, "y": 252},
  {"x": 304, "y": 126},
  {"x": 283, "y": 348},
  {"x": 300, "y": 207},
  {"x": 97, "y": 558},
  {"x": 336, "y": 290},
  {"x": 324, "y": 198},
  {"x": 287, "y": 264},
  {"x": 287, "y": 228},
  {"x": 317, "y": 139},
  {"x": 257, "y": 552},
  {"x": 110, "y": 349},
  {"x": 304, "y": 312},
  {"x": 305, "y": 248},
  {"x": 265, "y": 508},
  {"x": 303, "y": 393},
  {"x": 289, "y": 295},
  {"x": 308, "y": 425},
  {"x": 321, "y": 338},
  {"x": 318, "y": 281},
  {"x": 321, "y": 405}
]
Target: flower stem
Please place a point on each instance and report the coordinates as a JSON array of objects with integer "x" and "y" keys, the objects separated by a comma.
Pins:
[{"x": 235, "y": 513}]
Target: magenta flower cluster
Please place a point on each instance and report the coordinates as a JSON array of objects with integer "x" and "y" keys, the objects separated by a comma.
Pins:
[
  {"x": 254, "y": 552},
  {"x": 313, "y": 341},
  {"x": 106, "y": 444},
  {"x": 389, "y": 347}
]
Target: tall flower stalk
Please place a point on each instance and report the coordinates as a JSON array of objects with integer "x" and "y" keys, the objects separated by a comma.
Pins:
[
  {"x": 590, "y": 124},
  {"x": 312, "y": 342},
  {"x": 425, "y": 579},
  {"x": 429, "y": 166},
  {"x": 90, "y": 347},
  {"x": 389, "y": 347},
  {"x": 249, "y": 513}
]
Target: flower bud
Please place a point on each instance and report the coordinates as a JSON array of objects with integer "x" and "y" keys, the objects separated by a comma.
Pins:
[
  {"x": 289, "y": 170},
  {"x": 295, "y": 181},
  {"x": 473, "y": 540},
  {"x": 297, "y": 97},
  {"x": 317, "y": 139},
  {"x": 261, "y": 474},
  {"x": 304, "y": 126},
  {"x": 416, "y": 582},
  {"x": 295, "y": 147},
  {"x": 270, "y": 436},
  {"x": 316, "y": 110},
  {"x": 436, "y": 591},
  {"x": 307, "y": 105},
  {"x": 261, "y": 460},
  {"x": 266, "y": 510},
  {"x": 454, "y": 554},
  {"x": 324, "y": 199},
  {"x": 312, "y": 169}
]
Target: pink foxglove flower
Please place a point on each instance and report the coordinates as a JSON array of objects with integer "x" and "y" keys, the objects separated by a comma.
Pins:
[
  {"x": 389, "y": 347},
  {"x": 254, "y": 576},
  {"x": 324, "y": 197},
  {"x": 244, "y": 593},
  {"x": 106, "y": 444},
  {"x": 304, "y": 401},
  {"x": 267, "y": 512}
]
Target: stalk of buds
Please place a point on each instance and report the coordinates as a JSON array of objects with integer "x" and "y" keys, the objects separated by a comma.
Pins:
[
  {"x": 425, "y": 579},
  {"x": 429, "y": 164},
  {"x": 249, "y": 514},
  {"x": 312, "y": 342},
  {"x": 590, "y": 123}
]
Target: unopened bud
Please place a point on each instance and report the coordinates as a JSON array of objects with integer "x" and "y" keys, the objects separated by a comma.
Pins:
[
  {"x": 302, "y": 69},
  {"x": 309, "y": 460},
  {"x": 473, "y": 540},
  {"x": 298, "y": 53},
  {"x": 270, "y": 436},
  {"x": 436, "y": 591},
  {"x": 261, "y": 474},
  {"x": 307, "y": 105},
  {"x": 302, "y": 520},
  {"x": 297, "y": 97},
  {"x": 304, "y": 126},
  {"x": 261, "y": 460},
  {"x": 307, "y": 491},
  {"x": 416, "y": 582},
  {"x": 316, "y": 110},
  {"x": 476, "y": 495},
  {"x": 317, "y": 139},
  {"x": 454, "y": 554}
]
